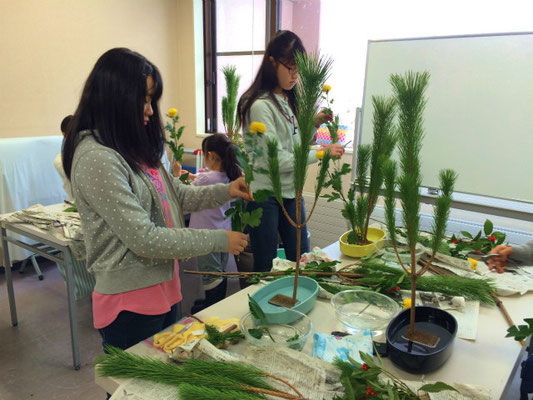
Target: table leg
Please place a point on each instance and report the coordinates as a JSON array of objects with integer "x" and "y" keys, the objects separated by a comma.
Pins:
[
  {"x": 72, "y": 309},
  {"x": 9, "y": 279}
]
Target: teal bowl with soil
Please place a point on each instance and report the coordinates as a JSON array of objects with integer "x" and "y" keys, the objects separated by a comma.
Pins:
[{"x": 306, "y": 297}]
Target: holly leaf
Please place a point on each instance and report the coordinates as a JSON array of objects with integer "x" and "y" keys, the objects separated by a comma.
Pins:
[
  {"x": 436, "y": 387},
  {"x": 467, "y": 234},
  {"x": 500, "y": 237},
  {"x": 488, "y": 227}
]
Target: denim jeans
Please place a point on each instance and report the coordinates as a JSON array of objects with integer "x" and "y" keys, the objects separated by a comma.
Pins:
[
  {"x": 264, "y": 238},
  {"x": 130, "y": 328}
]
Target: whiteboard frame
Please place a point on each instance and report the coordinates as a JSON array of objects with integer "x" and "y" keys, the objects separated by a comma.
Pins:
[{"x": 510, "y": 208}]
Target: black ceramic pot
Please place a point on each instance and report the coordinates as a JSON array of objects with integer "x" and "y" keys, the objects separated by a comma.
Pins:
[{"x": 414, "y": 357}]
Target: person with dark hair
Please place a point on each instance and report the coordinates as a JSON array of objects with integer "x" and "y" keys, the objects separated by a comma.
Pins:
[
  {"x": 220, "y": 159},
  {"x": 130, "y": 207},
  {"x": 271, "y": 101},
  {"x": 58, "y": 161}
]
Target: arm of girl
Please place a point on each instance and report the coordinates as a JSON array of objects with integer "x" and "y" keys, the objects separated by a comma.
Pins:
[{"x": 103, "y": 193}]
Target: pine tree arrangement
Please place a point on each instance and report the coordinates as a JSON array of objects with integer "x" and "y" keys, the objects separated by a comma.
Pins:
[
  {"x": 314, "y": 70},
  {"x": 409, "y": 91},
  {"x": 230, "y": 118},
  {"x": 357, "y": 209}
]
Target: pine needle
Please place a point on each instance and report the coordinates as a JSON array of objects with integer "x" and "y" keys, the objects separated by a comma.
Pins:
[
  {"x": 193, "y": 392},
  {"x": 244, "y": 373},
  {"x": 384, "y": 277},
  {"x": 217, "y": 375}
]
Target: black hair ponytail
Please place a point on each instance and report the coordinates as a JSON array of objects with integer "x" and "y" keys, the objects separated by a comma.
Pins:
[{"x": 221, "y": 145}]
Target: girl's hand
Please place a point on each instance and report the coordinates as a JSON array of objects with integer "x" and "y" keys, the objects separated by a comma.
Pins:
[
  {"x": 237, "y": 242},
  {"x": 324, "y": 115},
  {"x": 238, "y": 188},
  {"x": 176, "y": 169},
  {"x": 499, "y": 262},
  {"x": 335, "y": 149}
]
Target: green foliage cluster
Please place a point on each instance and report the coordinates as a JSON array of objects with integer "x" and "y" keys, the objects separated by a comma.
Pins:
[
  {"x": 372, "y": 381},
  {"x": 484, "y": 241},
  {"x": 219, "y": 339},
  {"x": 370, "y": 160},
  {"x": 174, "y": 143},
  {"x": 521, "y": 332},
  {"x": 240, "y": 218}
]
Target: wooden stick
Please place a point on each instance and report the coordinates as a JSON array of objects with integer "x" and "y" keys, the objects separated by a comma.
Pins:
[
  {"x": 499, "y": 303},
  {"x": 273, "y": 273}
]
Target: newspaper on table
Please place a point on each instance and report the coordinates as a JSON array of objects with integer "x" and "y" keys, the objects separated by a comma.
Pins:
[
  {"x": 466, "y": 312},
  {"x": 464, "y": 391},
  {"x": 137, "y": 389},
  {"x": 315, "y": 379}
]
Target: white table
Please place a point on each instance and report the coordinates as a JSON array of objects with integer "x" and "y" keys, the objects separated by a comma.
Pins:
[
  {"x": 489, "y": 361},
  {"x": 52, "y": 248}
]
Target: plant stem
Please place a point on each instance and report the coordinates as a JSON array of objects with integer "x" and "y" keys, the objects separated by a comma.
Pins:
[
  {"x": 298, "y": 243},
  {"x": 413, "y": 293}
]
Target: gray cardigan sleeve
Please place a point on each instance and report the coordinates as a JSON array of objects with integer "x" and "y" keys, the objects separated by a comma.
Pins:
[
  {"x": 523, "y": 255},
  {"x": 103, "y": 191},
  {"x": 196, "y": 198}
]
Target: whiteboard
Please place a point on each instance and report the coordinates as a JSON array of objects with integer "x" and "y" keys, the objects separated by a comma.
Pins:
[{"x": 479, "y": 112}]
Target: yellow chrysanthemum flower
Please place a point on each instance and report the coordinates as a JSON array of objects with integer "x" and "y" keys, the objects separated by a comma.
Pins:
[
  {"x": 320, "y": 154},
  {"x": 406, "y": 303},
  {"x": 172, "y": 112},
  {"x": 257, "y": 127},
  {"x": 326, "y": 88}
]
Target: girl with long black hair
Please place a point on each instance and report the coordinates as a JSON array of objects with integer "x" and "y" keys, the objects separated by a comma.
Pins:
[
  {"x": 271, "y": 101},
  {"x": 131, "y": 209}
]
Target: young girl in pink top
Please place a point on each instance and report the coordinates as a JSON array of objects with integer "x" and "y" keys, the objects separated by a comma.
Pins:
[{"x": 130, "y": 207}]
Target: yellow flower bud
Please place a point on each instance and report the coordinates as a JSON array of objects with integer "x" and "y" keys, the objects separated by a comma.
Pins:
[
  {"x": 172, "y": 112},
  {"x": 320, "y": 154},
  {"x": 406, "y": 303},
  {"x": 473, "y": 264},
  {"x": 326, "y": 88},
  {"x": 257, "y": 127}
]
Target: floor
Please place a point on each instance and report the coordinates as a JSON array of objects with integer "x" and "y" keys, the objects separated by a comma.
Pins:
[{"x": 35, "y": 356}]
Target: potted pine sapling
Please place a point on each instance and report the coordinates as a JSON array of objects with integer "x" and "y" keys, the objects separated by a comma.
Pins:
[
  {"x": 420, "y": 339},
  {"x": 361, "y": 239},
  {"x": 230, "y": 118},
  {"x": 313, "y": 70}
]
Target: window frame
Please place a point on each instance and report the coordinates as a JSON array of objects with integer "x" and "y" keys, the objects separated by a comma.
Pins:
[{"x": 211, "y": 108}]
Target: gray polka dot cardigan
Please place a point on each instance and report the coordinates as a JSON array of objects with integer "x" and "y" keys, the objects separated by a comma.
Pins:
[{"x": 129, "y": 245}]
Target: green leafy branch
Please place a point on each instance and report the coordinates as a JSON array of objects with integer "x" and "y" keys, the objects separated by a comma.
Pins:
[
  {"x": 176, "y": 147},
  {"x": 483, "y": 242},
  {"x": 240, "y": 218},
  {"x": 366, "y": 380},
  {"x": 521, "y": 332},
  {"x": 259, "y": 316}
]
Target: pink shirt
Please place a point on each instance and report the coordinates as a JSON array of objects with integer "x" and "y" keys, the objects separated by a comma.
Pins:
[{"x": 152, "y": 300}]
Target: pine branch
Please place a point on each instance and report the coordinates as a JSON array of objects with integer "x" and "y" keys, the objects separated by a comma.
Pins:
[{"x": 214, "y": 375}]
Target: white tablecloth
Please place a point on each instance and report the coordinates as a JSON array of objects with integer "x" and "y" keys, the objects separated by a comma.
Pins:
[{"x": 28, "y": 177}]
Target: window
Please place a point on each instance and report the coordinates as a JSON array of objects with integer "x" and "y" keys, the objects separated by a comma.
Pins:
[{"x": 235, "y": 32}]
